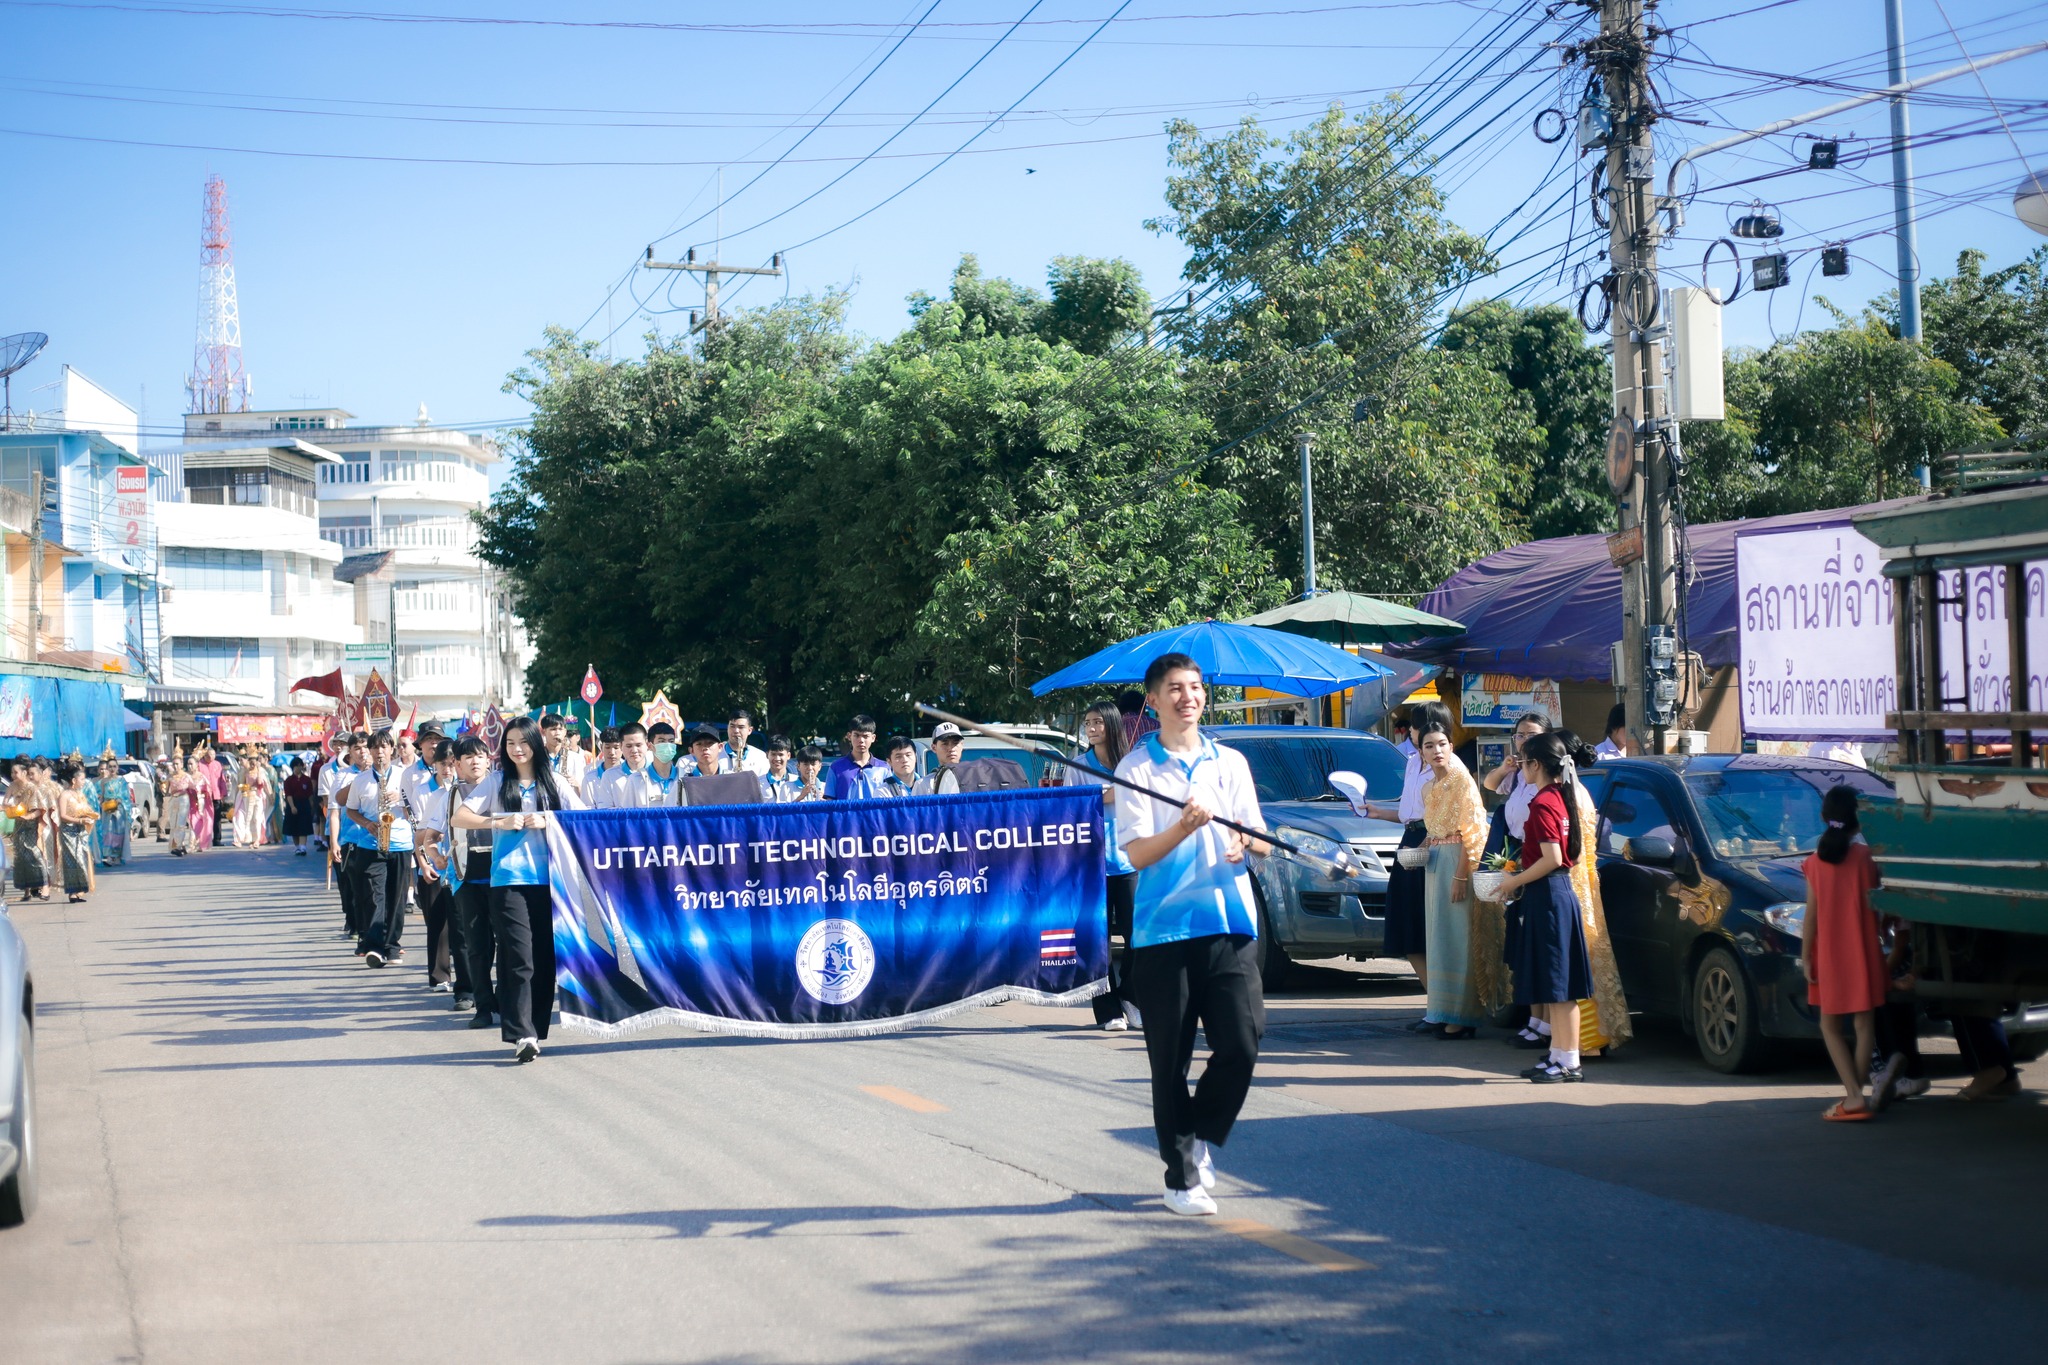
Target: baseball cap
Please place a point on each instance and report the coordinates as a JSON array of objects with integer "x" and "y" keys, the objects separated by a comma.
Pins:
[{"x": 946, "y": 729}]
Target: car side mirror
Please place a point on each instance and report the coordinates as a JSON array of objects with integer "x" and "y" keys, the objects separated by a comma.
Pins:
[{"x": 1653, "y": 849}]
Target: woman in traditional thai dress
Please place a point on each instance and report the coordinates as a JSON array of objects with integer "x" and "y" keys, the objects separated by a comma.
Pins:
[
  {"x": 116, "y": 805},
  {"x": 1462, "y": 941},
  {"x": 252, "y": 805},
  {"x": 209, "y": 778},
  {"x": 181, "y": 802},
  {"x": 76, "y": 816},
  {"x": 1603, "y": 1018},
  {"x": 25, "y": 807}
]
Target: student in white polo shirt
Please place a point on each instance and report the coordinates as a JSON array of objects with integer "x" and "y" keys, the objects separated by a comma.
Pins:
[
  {"x": 736, "y": 755},
  {"x": 1194, "y": 937},
  {"x": 641, "y": 779}
]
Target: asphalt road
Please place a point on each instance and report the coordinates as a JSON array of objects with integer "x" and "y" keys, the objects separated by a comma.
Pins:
[{"x": 257, "y": 1150}]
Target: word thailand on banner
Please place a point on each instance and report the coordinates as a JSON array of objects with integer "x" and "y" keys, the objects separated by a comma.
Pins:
[{"x": 824, "y": 919}]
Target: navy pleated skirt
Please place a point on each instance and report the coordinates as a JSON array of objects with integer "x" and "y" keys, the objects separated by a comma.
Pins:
[
  {"x": 1546, "y": 944},
  {"x": 1406, "y": 931}
]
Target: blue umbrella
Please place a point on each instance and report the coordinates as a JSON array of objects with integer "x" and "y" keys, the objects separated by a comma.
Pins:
[{"x": 1230, "y": 656}]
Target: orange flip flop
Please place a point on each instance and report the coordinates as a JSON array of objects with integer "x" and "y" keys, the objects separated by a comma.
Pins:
[{"x": 1837, "y": 1114}]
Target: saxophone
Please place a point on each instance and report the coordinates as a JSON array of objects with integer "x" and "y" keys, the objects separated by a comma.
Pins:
[{"x": 383, "y": 817}]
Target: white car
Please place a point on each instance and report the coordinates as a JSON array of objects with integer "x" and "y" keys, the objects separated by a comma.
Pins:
[
  {"x": 142, "y": 792},
  {"x": 17, "y": 1079}
]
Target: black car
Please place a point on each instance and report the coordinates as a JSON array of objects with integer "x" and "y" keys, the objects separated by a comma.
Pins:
[{"x": 1700, "y": 877}]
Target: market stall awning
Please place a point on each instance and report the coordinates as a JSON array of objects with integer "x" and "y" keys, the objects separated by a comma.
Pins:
[
  {"x": 1552, "y": 608},
  {"x": 1349, "y": 618}
]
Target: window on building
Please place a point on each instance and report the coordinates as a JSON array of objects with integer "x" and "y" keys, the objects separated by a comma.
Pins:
[{"x": 189, "y": 570}]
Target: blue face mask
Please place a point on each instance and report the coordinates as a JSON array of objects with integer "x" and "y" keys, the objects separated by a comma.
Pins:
[{"x": 665, "y": 752}]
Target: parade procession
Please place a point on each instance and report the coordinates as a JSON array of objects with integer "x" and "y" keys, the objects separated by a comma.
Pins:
[{"x": 1096, "y": 680}]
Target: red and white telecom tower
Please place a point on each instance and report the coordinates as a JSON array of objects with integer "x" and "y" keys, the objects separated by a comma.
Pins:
[{"x": 217, "y": 383}]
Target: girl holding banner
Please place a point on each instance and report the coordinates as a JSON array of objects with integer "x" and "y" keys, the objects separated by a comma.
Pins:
[{"x": 513, "y": 808}]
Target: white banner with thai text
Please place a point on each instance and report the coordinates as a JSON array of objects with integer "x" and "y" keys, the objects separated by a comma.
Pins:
[
  {"x": 1818, "y": 658},
  {"x": 1816, "y": 634}
]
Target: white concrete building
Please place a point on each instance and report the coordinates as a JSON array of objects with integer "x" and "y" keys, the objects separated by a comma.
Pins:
[
  {"x": 396, "y": 502},
  {"x": 249, "y": 600}
]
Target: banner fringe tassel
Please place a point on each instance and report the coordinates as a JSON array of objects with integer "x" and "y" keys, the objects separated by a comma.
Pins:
[{"x": 670, "y": 1017}]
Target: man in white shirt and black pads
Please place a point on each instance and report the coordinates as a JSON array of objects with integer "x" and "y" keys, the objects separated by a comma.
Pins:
[{"x": 1194, "y": 937}]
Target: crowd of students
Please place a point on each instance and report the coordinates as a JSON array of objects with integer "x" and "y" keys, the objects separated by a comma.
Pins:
[{"x": 453, "y": 828}]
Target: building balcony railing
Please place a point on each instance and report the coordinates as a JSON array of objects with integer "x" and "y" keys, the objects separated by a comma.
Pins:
[{"x": 449, "y": 534}]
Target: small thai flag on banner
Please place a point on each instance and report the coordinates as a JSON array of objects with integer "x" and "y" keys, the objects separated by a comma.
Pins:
[{"x": 1056, "y": 945}]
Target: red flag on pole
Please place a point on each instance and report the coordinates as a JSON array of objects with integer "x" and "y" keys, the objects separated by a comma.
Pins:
[
  {"x": 326, "y": 684},
  {"x": 592, "y": 688}
]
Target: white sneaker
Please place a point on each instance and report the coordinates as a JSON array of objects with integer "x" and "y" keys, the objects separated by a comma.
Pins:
[
  {"x": 529, "y": 1048},
  {"x": 1119, "y": 1024},
  {"x": 1191, "y": 1203},
  {"x": 441, "y": 985},
  {"x": 1205, "y": 1164},
  {"x": 1909, "y": 1087},
  {"x": 1131, "y": 1013}
]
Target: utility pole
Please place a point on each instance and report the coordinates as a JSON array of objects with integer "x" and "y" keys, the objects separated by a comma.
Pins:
[
  {"x": 1902, "y": 174},
  {"x": 1641, "y": 431},
  {"x": 710, "y": 270},
  {"x": 38, "y": 491},
  {"x": 1304, "y": 441}
]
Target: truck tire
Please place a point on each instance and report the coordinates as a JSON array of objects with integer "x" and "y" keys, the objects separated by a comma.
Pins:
[
  {"x": 1274, "y": 964},
  {"x": 1722, "y": 1010},
  {"x": 2028, "y": 1047},
  {"x": 18, "y": 1190}
]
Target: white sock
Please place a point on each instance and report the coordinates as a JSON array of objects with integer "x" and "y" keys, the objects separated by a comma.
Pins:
[
  {"x": 1542, "y": 1027},
  {"x": 1567, "y": 1057}
]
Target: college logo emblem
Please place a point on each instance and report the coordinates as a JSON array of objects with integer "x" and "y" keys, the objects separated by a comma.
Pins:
[{"x": 835, "y": 961}]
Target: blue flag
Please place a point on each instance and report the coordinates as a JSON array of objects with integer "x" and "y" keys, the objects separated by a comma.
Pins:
[{"x": 822, "y": 919}]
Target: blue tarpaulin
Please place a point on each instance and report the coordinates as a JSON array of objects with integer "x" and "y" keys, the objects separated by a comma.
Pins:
[
  {"x": 50, "y": 716},
  {"x": 1552, "y": 608}
]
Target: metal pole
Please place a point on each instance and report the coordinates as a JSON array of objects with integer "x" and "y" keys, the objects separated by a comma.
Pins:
[
  {"x": 38, "y": 492},
  {"x": 1902, "y": 175},
  {"x": 1303, "y": 442}
]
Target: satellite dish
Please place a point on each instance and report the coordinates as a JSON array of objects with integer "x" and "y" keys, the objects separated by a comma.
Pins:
[
  {"x": 2030, "y": 201},
  {"x": 15, "y": 352}
]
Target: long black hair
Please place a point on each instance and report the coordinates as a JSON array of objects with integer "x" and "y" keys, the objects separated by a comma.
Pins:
[
  {"x": 1838, "y": 808},
  {"x": 1549, "y": 752},
  {"x": 545, "y": 795}
]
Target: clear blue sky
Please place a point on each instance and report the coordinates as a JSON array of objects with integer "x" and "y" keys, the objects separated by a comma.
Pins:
[{"x": 384, "y": 262}]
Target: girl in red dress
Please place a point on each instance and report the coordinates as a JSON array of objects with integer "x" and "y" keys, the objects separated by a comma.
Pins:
[{"x": 1844, "y": 963}]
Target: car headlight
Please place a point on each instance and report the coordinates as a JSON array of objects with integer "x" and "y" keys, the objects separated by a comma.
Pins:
[
  {"x": 1787, "y": 917},
  {"x": 1317, "y": 845}
]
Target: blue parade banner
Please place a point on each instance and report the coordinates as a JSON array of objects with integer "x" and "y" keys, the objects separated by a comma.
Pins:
[{"x": 827, "y": 919}]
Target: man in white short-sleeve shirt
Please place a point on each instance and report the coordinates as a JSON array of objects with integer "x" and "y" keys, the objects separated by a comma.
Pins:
[
  {"x": 1194, "y": 927},
  {"x": 640, "y": 780}
]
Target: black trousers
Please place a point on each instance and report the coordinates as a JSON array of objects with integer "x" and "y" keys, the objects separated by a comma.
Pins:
[
  {"x": 348, "y": 876},
  {"x": 1122, "y": 888},
  {"x": 1213, "y": 981},
  {"x": 385, "y": 877},
  {"x": 445, "y": 961},
  {"x": 523, "y": 918},
  {"x": 479, "y": 943}
]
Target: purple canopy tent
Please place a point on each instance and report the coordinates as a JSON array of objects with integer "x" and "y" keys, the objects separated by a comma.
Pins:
[{"x": 1552, "y": 608}]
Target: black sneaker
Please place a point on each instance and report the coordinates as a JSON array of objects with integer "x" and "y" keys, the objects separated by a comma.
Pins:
[
  {"x": 373, "y": 958},
  {"x": 483, "y": 1021}
]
